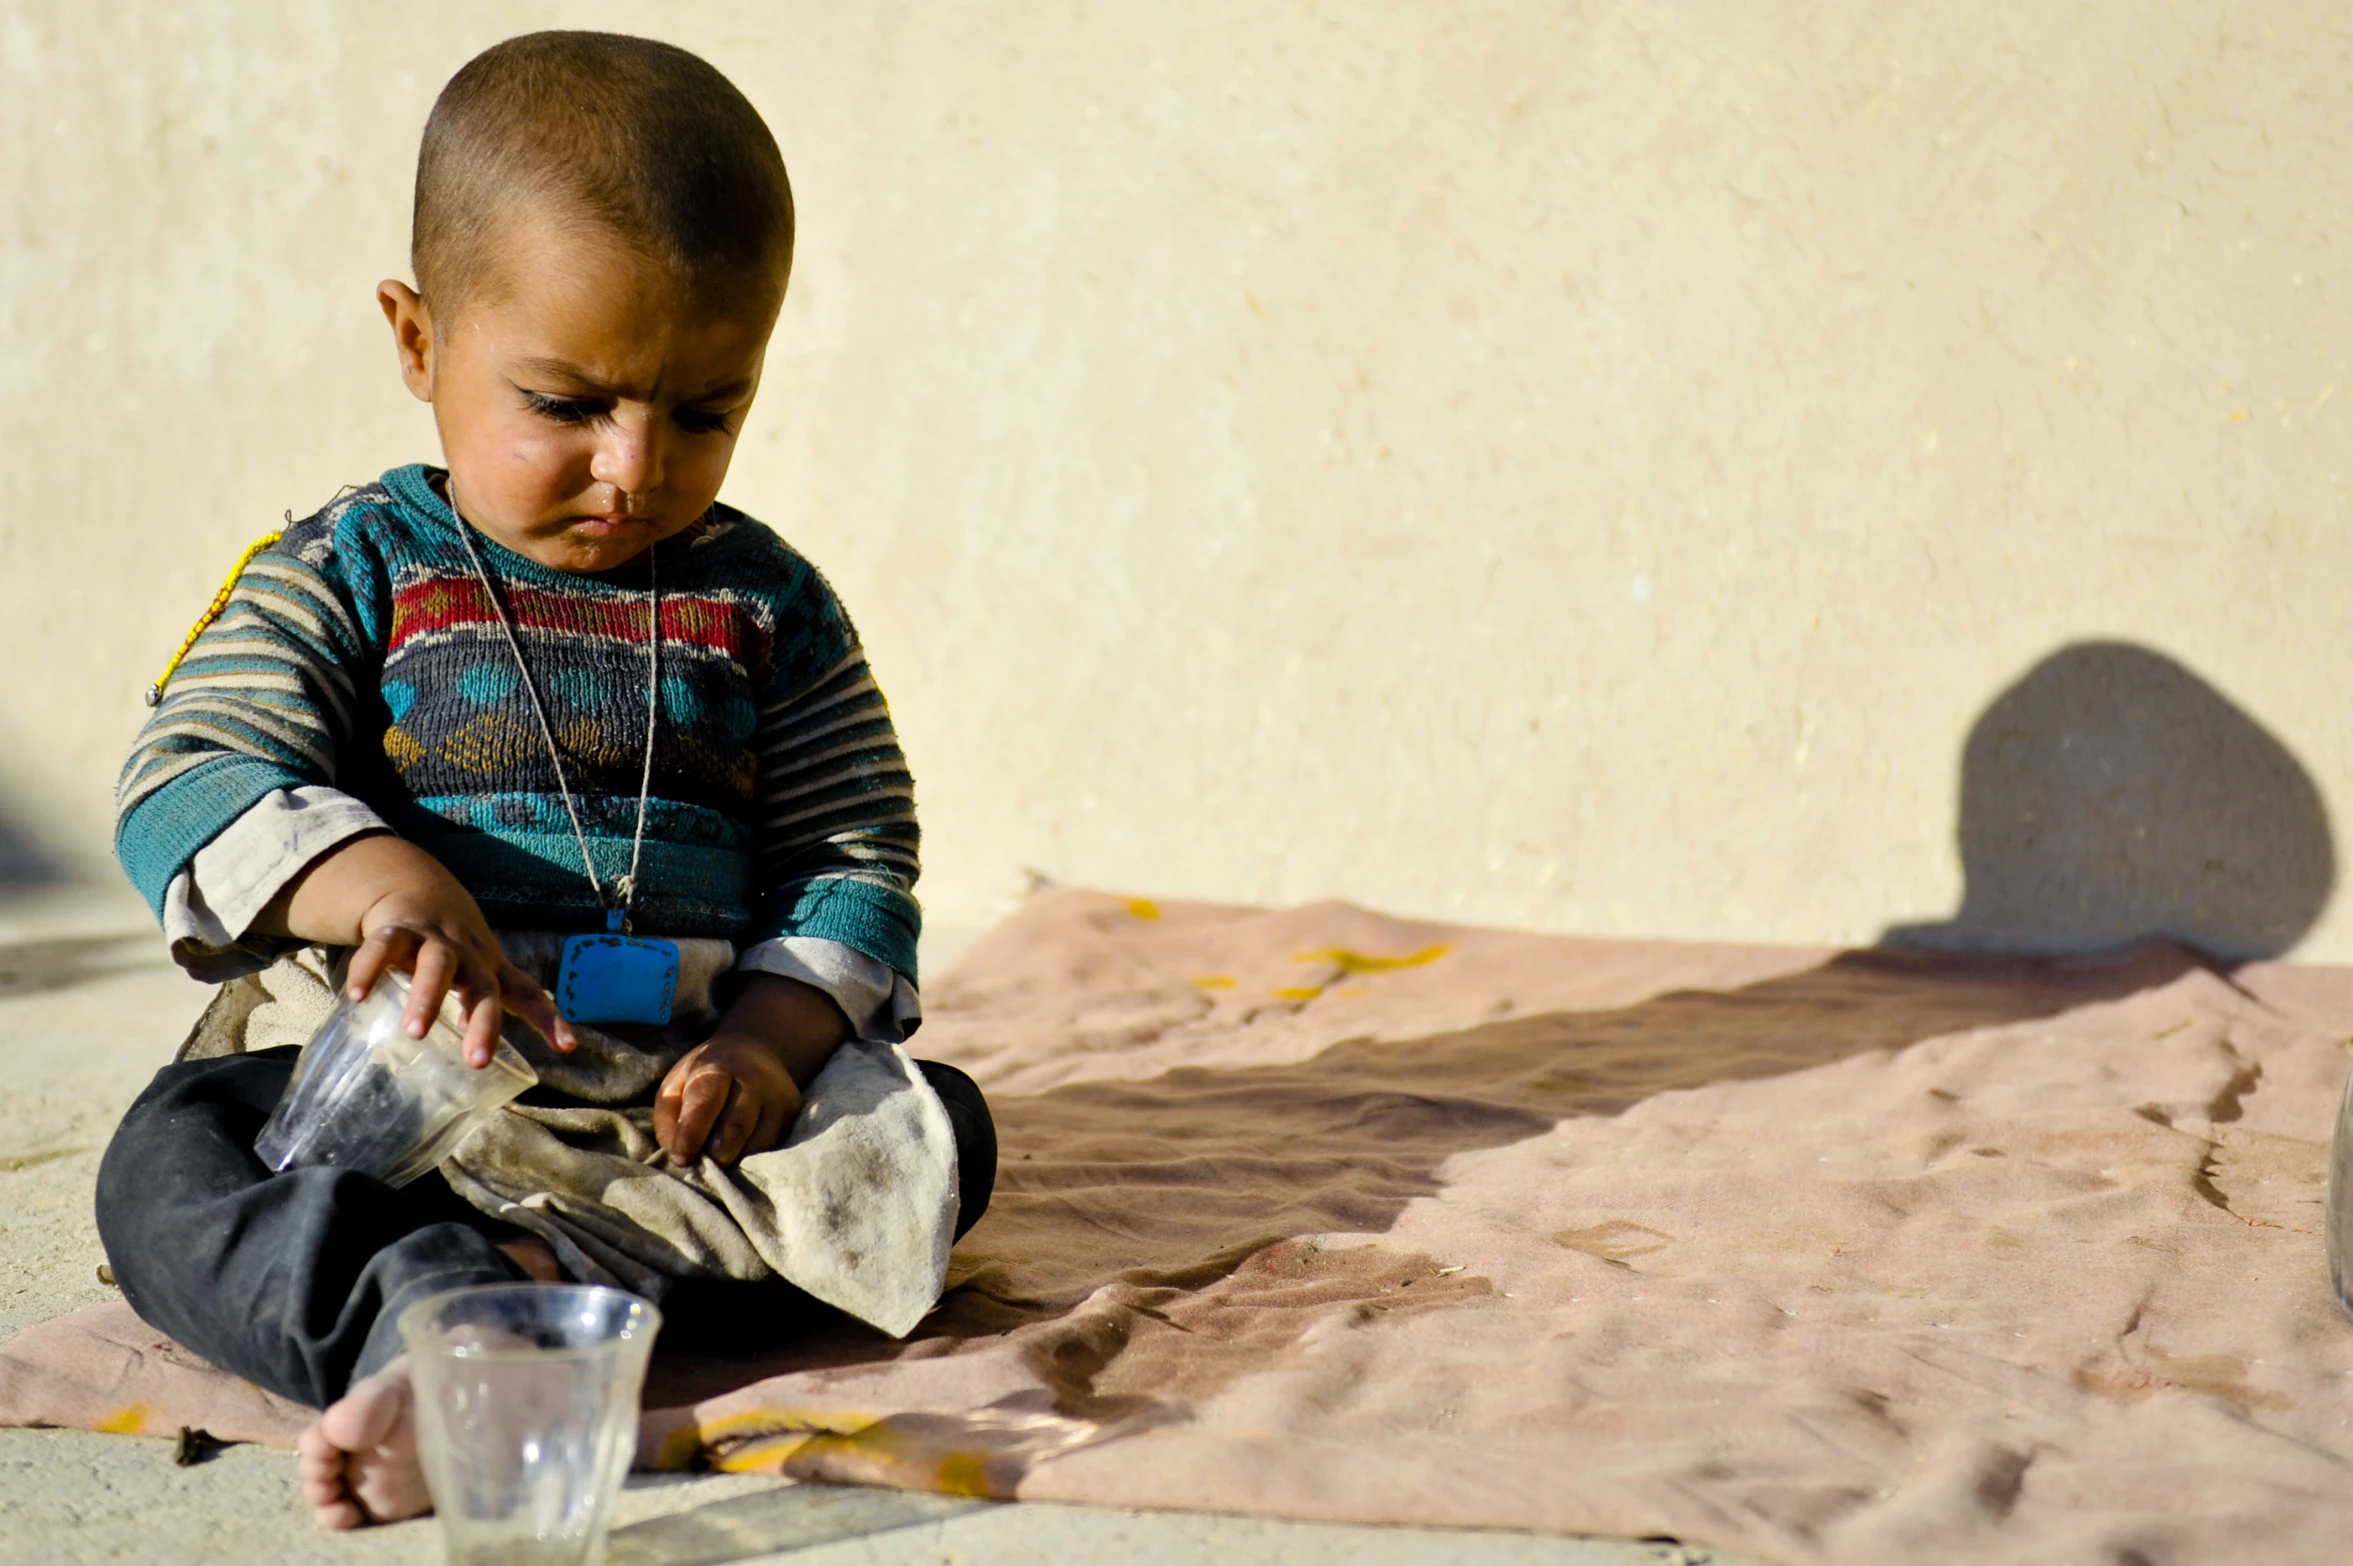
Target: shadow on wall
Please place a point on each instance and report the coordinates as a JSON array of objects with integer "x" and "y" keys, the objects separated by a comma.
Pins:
[
  {"x": 23, "y": 865},
  {"x": 2112, "y": 795}
]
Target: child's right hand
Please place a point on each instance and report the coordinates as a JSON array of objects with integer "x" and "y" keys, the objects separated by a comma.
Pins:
[
  {"x": 437, "y": 935},
  {"x": 405, "y": 911}
]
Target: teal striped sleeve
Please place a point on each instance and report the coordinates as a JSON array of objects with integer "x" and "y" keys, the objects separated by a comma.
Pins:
[
  {"x": 266, "y": 699},
  {"x": 835, "y": 804}
]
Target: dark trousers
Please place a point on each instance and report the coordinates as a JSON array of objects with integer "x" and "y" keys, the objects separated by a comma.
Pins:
[{"x": 296, "y": 1281}]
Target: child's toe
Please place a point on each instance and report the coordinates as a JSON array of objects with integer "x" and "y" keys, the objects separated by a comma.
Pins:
[
  {"x": 339, "y": 1516},
  {"x": 366, "y": 1416}
]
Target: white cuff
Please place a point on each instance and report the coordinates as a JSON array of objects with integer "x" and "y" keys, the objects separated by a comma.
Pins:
[
  {"x": 882, "y": 1006},
  {"x": 210, "y": 906}
]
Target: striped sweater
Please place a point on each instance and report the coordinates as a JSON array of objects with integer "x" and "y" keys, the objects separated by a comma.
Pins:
[{"x": 359, "y": 652}]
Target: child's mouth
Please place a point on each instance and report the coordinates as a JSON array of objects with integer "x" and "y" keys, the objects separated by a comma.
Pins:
[{"x": 604, "y": 526}]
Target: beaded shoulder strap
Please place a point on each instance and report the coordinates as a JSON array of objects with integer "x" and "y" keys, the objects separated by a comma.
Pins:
[{"x": 212, "y": 612}]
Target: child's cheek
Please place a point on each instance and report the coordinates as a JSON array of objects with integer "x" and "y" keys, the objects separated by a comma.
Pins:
[
  {"x": 543, "y": 467},
  {"x": 703, "y": 465}
]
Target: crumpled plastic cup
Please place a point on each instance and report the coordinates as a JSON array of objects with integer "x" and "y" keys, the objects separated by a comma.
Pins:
[
  {"x": 367, "y": 1097},
  {"x": 527, "y": 1400}
]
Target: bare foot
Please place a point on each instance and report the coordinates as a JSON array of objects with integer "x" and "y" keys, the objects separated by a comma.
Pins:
[{"x": 359, "y": 1460}]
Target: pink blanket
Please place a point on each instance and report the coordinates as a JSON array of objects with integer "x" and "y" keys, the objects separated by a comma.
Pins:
[{"x": 1815, "y": 1256}]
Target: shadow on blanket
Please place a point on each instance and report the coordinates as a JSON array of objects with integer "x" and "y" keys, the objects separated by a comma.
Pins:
[{"x": 1199, "y": 1177}]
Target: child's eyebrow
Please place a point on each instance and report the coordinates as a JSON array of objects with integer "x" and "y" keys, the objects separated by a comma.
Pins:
[{"x": 585, "y": 384}]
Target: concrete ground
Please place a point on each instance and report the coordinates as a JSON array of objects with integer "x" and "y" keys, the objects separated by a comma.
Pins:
[{"x": 89, "y": 1006}]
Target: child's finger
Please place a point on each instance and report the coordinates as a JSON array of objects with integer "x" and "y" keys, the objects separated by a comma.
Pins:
[
  {"x": 377, "y": 953},
  {"x": 521, "y": 994},
  {"x": 736, "y": 1124},
  {"x": 482, "y": 1005},
  {"x": 428, "y": 983},
  {"x": 704, "y": 1100},
  {"x": 483, "y": 1014},
  {"x": 774, "y": 1115},
  {"x": 666, "y": 1101}
]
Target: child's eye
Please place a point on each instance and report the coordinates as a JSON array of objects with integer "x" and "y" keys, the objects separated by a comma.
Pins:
[
  {"x": 563, "y": 410},
  {"x": 701, "y": 421}
]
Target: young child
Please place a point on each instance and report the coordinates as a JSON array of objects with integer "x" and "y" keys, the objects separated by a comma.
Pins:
[{"x": 556, "y": 688}]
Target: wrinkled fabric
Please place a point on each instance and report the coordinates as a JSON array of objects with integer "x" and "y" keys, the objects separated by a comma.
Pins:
[
  {"x": 1808, "y": 1255},
  {"x": 857, "y": 1206}
]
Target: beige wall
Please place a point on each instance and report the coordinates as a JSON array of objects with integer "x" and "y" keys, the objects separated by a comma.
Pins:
[{"x": 1586, "y": 466}]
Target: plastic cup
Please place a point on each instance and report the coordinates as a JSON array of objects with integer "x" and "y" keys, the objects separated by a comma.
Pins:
[
  {"x": 527, "y": 1415},
  {"x": 366, "y": 1096}
]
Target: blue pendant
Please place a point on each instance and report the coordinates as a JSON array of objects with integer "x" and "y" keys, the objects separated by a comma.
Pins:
[{"x": 617, "y": 978}]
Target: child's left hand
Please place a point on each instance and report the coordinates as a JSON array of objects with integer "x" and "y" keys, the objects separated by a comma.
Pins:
[
  {"x": 726, "y": 1098},
  {"x": 735, "y": 1094}
]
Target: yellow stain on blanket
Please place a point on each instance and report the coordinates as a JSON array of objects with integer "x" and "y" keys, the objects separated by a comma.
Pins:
[
  {"x": 1144, "y": 908},
  {"x": 901, "y": 1459},
  {"x": 966, "y": 1473},
  {"x": 763, "y": 1454},
  {"x": 874, "y": 1451},
  {"x": 1358, "y": 962},
  {"x": 760, "y": 1439},
  {"x": 1213, "y": 981},
  {"x": 130, "y": 1419},
  {"x": 679, "y": 1448}
]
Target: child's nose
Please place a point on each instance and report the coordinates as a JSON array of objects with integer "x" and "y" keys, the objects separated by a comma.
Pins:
[{"x": 629, "y": 457}]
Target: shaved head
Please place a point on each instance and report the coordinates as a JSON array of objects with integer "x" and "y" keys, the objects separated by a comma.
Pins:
[{"x": 607, "y": 134}]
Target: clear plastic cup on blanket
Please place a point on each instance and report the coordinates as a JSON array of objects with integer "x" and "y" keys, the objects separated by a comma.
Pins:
[
  {"x": 366, "y": 1096},
  {"x": 526, "y": 1405}
]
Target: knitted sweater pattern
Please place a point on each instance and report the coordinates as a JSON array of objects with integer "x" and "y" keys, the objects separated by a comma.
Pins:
[{"x": 361, "y": 652}]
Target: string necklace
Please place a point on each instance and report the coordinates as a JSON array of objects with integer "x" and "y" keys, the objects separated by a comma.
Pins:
[{"x": 624, "y": 894}]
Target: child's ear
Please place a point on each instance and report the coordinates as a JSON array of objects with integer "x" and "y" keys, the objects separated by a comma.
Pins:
[{"x": 412, "y": 334}]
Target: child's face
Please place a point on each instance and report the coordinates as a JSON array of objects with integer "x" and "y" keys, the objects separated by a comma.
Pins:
[{"x": 587, "y": 408}]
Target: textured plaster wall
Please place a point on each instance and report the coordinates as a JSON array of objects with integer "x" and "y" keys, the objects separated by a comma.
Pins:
[{"x": 1579, "y": 465}]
